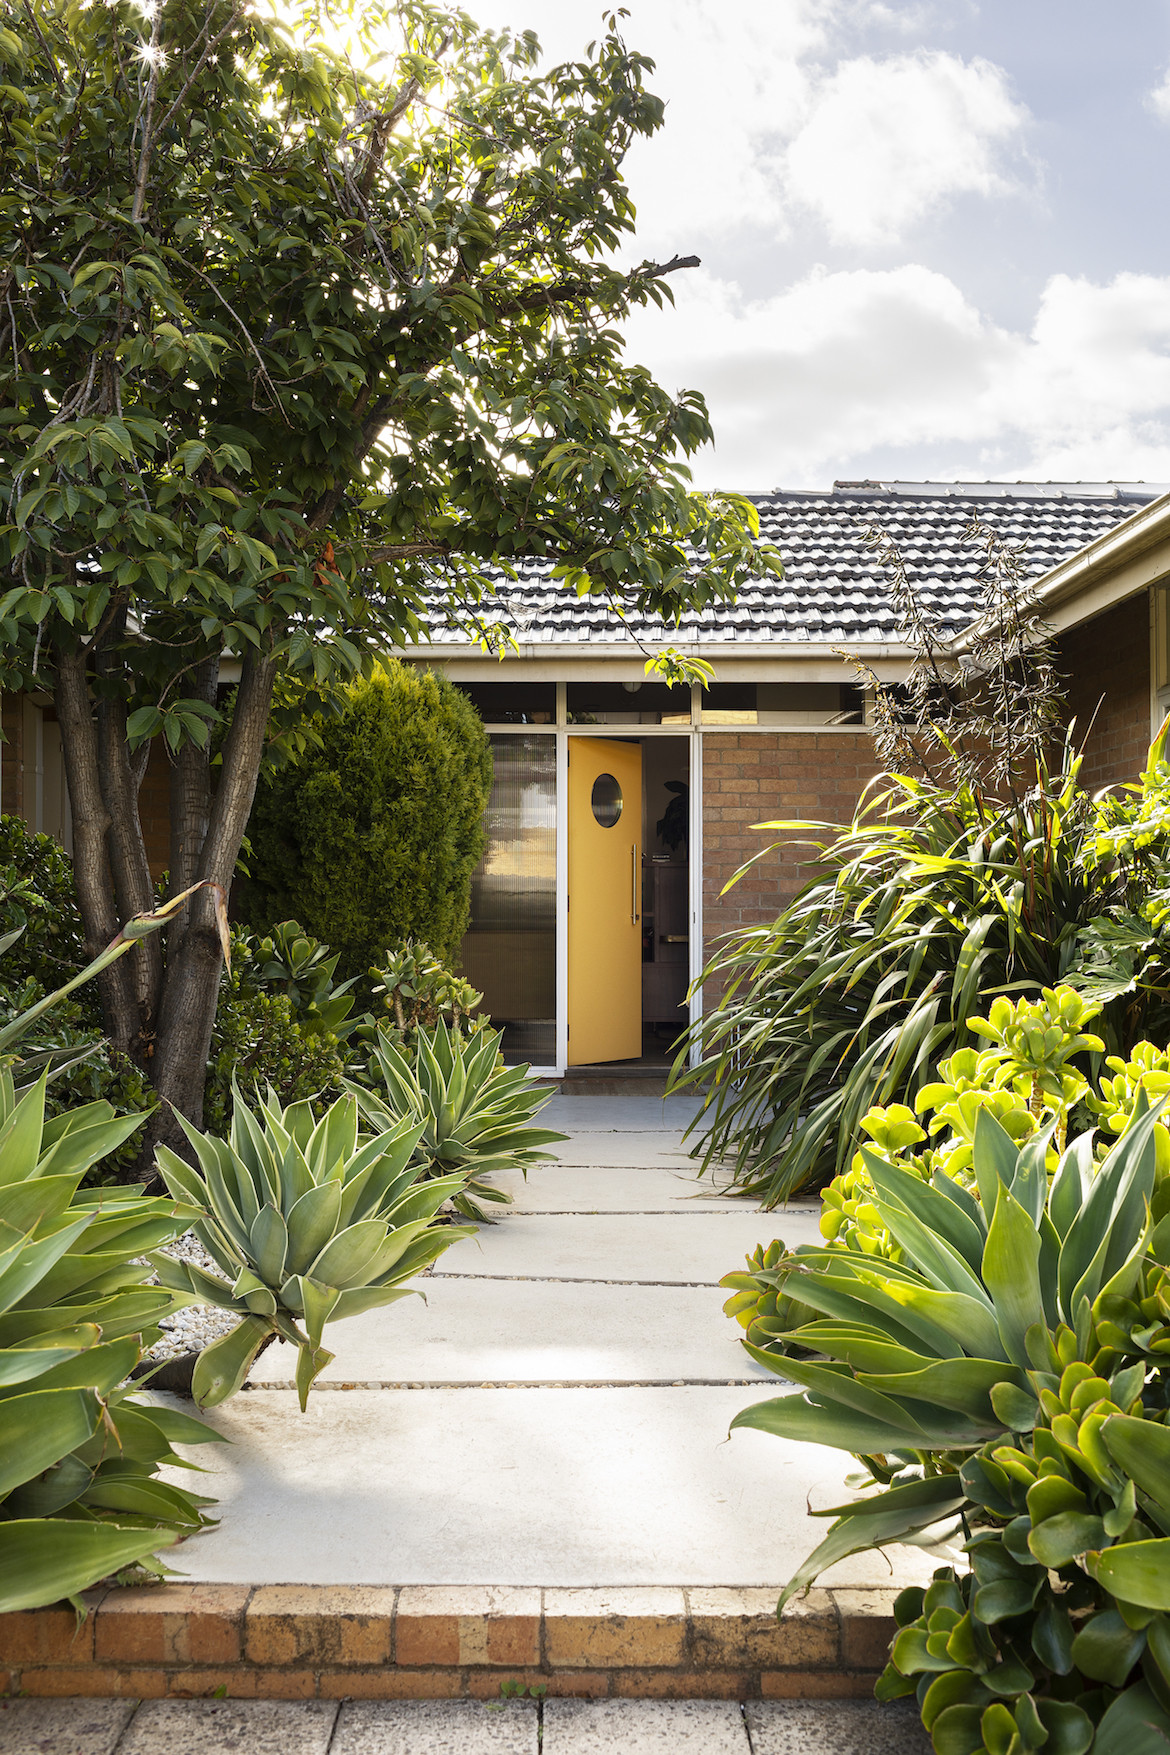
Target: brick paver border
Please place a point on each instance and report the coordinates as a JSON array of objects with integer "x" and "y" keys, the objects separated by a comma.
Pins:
[{"x": 301, "y": 1642}]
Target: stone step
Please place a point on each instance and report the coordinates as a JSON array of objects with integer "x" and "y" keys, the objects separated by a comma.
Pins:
[{"x": 329, "y": 1643}]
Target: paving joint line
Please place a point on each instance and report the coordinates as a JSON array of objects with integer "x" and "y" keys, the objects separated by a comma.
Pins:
[
  {"x": 289, "y": 1383},
  {"x": 571, "y": 1280}
]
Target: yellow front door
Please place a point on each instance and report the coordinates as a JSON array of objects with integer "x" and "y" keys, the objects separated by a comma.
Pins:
[{"x": 605, "y": 900}]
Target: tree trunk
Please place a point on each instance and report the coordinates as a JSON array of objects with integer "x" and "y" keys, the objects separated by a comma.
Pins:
[
  {"x": 117, "y": 987},
  {"x": 194, "y": 956},
  {"x": 159, "y": 1011}
]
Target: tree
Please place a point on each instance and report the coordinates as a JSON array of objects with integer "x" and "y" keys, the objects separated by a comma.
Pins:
[
  {"x": 282, "y": 340},
  {"x": 374, "y": 836}
]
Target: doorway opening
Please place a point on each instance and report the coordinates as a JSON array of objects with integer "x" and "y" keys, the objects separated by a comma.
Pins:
[{"x": 628, "y": 901}]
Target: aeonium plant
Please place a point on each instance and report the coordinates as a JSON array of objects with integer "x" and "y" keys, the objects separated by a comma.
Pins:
[
  {"x": 999, "y": 1360},
  {"x": 309, "y": 1222}
]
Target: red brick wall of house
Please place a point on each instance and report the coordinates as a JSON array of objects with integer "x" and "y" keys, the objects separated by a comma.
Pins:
[
  {"x": 753, "y": 777},
  {"x": 12, "y": 755},
  {"x": 154, "y": 806},
  {"x": 1107, "y": 661}
]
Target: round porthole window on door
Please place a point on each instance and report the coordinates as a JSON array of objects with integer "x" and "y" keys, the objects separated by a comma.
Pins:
[{"x": 606, "y": 800}]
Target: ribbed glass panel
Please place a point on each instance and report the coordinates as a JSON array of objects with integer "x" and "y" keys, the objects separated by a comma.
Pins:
[{"x": 509, "y": 952}]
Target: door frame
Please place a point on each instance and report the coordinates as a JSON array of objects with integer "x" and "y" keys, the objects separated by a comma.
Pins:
[{"x": 632, "y": 733}]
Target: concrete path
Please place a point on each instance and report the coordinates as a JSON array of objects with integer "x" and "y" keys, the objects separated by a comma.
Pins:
[
  {"x": 458, "y": 1727},
  {"x": 556, "y": 1413}
]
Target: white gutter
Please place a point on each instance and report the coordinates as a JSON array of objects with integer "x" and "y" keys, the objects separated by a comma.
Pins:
[{"x": 1104, "y": 572}]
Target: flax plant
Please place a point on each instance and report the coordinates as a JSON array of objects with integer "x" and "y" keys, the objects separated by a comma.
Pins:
[{"x": 929, "y": 902}]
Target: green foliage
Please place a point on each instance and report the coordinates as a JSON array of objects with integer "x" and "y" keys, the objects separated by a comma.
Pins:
[
  {"x": 397, "y": 340},
  {"x": 38, "y": 904},
  {"x": 80, "y": 1496},
  {"x": 290, "y": 962},
  {"x": 373, "y": 835},
  {"x": 37, "y": 898},
  {"x": 310, "y": 1221},
  {"x": 292, "y": 338},
  {"x": 930, "y": 903},
  {"x": 414, "y": 991},
  {"x": 473, "y": 1113},
  {"x": 260, "y": 1042},
  {"x": 990, "y": 1334}
]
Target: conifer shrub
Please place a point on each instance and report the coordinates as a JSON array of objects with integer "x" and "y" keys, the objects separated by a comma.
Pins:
[{"x": 372, "y": 836}]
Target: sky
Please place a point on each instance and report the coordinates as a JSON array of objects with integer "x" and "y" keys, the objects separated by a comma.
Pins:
[{"x": 934, "y": 236}]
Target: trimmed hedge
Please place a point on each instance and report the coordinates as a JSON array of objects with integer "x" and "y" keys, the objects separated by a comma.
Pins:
[{"x": 373, "y": 836}]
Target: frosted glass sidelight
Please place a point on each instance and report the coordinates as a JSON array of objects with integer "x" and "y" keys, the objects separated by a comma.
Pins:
[{"x": 509, "y": 951}]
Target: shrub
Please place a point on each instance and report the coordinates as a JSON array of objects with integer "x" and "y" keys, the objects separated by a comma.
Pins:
[
  {"x": 38, "y": 903},
  {"x": 993, "y": 1342},
  {"x": 413, "y": 991},
  {"x": 259, "y": 1042},
  {"x": 289, "y": 962},
  {"x": 37, "y": 896},
  {"x": 373, "y": 836}
]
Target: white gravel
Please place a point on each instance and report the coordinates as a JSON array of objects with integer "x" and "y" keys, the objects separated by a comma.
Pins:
[{"x": 194, "y": 1328}]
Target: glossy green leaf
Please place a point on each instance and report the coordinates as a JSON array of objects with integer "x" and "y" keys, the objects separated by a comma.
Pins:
[{"x": 42, "y": 1560}]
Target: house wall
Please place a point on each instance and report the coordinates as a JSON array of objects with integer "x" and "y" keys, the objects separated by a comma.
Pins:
[
  {"x": 12, "y": 789},
  {"x": 753, "y": 777},
  {"x": 154, "y": 805},
  {"x": 1107, "y": 666},
  {"x": 33, "y": 785}
]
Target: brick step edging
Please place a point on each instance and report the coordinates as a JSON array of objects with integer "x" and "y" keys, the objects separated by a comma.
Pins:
[{"x": 296, "y": 1642}]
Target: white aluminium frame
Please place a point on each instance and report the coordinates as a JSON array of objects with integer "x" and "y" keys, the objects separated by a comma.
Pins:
[
  {"x": 563, "y": 731},
  {"x": 695, "y": 735}
]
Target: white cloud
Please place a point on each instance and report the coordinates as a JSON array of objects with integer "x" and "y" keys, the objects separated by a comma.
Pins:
[
  {"x": 1158, "y": 99},
  {"x": 846, "y": 367},
  {"x": 887, "y": 141},
  {"x": 761, "y": 124},
  {"x": 734, "y": 84}
]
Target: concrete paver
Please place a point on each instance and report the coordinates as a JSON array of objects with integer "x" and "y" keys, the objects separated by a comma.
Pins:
[
  {"x": 474, "y": 1331},
  {"x": 835, "y": 1727},
  {"x": 230, "y": 1727},
  {"x": 579, "y": 1487},
  {"x": 62, "y": 1727},
  {"x": 619, "y": 1114},
  {"x": 436, "y": 1727},
  {"x": 556, "y": 1415},
  {"x": 644, "y": 1727},
  {"x": 616, "y": 1188},
  {"x": 640, "y": 1149},
  {"x": 687, "y": 1249},
  {"x": 459, "y": 1727}
]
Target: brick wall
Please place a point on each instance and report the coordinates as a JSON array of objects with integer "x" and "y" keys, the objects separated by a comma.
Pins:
[
  {"x": 12, "y": 755},
  {"x": 154, "y": 805},
  {"x": 758, "y": 776},
  {"x": 1107, "y": 661}
]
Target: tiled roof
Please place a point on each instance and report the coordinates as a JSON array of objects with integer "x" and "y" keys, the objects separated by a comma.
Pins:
[{"x": 833, "y": 590}]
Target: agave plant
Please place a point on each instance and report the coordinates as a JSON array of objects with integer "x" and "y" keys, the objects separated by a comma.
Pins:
[
  {"x": 1006, "y": 1374},
  {"x": 473, "y": 1113},
  {"x": 310, "y": 1221},
  {"x": 79, "y": 1454}
]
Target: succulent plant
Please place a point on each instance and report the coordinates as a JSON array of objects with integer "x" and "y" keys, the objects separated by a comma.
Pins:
[{"x": 309, "y": 1222}]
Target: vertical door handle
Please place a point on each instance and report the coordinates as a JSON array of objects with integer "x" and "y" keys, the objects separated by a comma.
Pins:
[{"x": 634, "y": 884}]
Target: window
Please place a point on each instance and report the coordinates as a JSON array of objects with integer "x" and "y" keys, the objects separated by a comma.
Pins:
[
  {"x": 784, "y": 704},
  {"x": 627, "y": 703}
]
